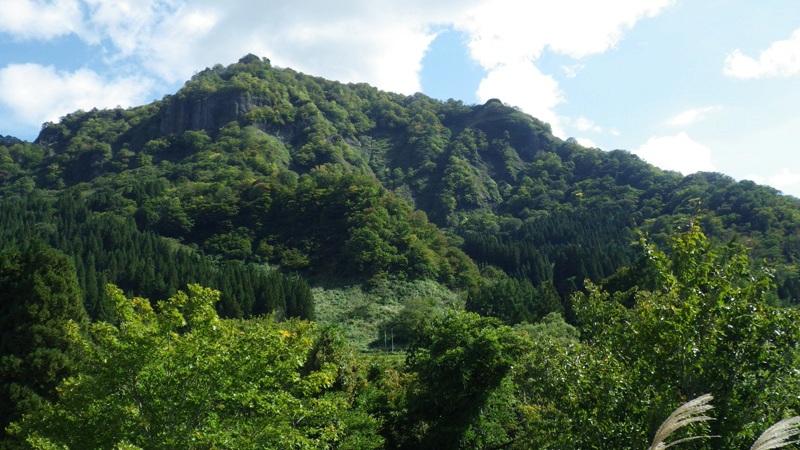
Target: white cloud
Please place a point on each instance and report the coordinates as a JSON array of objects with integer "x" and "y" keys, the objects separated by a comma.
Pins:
[
  {"x": 780, "y": 59},
  {"x": 361, "y": 41},
  {"x": 510, "y": 35},
  {"x": 38, "y": 94},
  {"x": 783, "y": 180},
  {"x": 691, "y": 116},
  {"x": 584, "y": 124},
  {"x": 524, "y": 86},
  {"x": 188, "y": 41},
  {"x": 502, "y": 31},
  {"x": 572, "y": 71},
  {"x": 36, "y": 19},
  {"x": 679, "y": 153},
  {"x": 128, "y": 24},
  {"x": 586, "y": 142},
  {"x": 381, "y": 43}
]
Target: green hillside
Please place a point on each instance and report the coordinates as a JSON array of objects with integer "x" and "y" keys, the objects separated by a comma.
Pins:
[
  {"x": 265, "y": 165},
  {"x": 240, "y": 264}
]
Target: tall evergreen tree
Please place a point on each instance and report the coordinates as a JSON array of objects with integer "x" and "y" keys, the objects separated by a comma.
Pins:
[{"x": 41, "y": 311}]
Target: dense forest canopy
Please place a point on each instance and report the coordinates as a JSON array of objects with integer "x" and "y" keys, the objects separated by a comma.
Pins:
[
  {"x": 513, "y": 268},
  {"x": 266, "y": 165}
]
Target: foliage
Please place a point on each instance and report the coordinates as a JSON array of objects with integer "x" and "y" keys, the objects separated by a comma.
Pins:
[
  {"x": 552, "y": 326},
  {"x": 514, "y": 300},
  {"x": 106, "y": 248},
  {"x": 458, "y": 361},
  {"x": 707, "y": 328},
  {"x": 183, "y": 378},
  {"x": 252, "y": 179},
  {"x": 381, "y": 314},
  {"x": 222, "y": 165},
  {"x": 41, "y": 316}
]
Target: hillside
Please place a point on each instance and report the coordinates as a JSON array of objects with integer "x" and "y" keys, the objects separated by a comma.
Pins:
[
  {"x": 266, "y": 165},
  {"x": 459, "y": 234}
]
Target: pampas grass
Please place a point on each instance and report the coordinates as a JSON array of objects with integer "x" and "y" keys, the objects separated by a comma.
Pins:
[
  {"x": 690, "y": 412},
  {"x": 779, "y": 435}
]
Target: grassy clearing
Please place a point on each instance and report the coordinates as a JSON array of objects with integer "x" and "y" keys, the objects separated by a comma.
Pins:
[{"x": 361, "y": 309}]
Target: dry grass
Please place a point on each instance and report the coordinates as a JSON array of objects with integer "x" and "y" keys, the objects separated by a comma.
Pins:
[
  {"x": 779, "y": 435},
  {"x": 690, "y": 412}
]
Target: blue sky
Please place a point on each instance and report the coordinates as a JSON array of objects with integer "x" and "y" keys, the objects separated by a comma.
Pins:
[{"x": 686, "y": 84}]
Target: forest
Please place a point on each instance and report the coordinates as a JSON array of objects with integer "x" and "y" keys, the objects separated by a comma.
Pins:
[{"x": 268, "y": 259}]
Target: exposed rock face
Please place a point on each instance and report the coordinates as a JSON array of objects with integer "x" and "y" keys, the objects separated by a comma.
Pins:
[{"x": 206, "y": 113}]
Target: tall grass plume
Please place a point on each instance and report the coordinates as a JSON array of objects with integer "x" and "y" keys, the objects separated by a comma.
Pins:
[{"x": 693, "y": 411}]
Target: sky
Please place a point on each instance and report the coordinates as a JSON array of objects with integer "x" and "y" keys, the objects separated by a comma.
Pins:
[{"x": 688, "y": 85}]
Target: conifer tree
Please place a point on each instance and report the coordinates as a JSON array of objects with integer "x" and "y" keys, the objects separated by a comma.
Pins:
[{"x": 41, "y": 311}]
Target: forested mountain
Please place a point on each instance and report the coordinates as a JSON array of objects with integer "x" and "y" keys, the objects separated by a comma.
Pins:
[
  {"x": 262, "y": 182},
  {"x": 259, "y": 164}
]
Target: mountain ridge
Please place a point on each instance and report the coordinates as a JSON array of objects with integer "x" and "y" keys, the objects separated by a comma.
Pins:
[{"x": 489, "y": 175}]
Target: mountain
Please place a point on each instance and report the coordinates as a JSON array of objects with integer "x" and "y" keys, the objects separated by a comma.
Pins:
[
  {"x": 256, "y": 164},
  {"x": 9, "y": 140}
]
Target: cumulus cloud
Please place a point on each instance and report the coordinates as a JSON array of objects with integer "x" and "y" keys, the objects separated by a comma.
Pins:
[
  {"x": 502, "y": 31},
  {"x": 584, "y": 124},
  {"x": 679, "y": 153},
  {"x": 691, "y": 116},
  {"x": 381, "y": 43},
  {"x": 37, "y": 94},
  {"x": 128, "y": 25},
  {"x": 780, "y": 59},
  {"x": 524, "y": 86},
  {"x": 360, "y": 41},
  {"x": 32, "y": 19},
  {"x": 586, "y": 142},
  {"x": 783, "y": 180},
  {"x": 508, "y": 36}
]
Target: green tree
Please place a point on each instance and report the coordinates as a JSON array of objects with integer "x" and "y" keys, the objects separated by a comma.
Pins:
[
  {"x": 513, "y": 300},
  {"x": 459, "y": 361},
  {"x": 41, "y": 313},
  {"x": 182, "y": 377},
  {"x": 706, "y": 328},
  {"x": 573, "y": 394},
  {"x": 402, "y": 329}
]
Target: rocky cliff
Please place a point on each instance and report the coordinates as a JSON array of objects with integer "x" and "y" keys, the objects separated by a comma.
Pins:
[{"x": 205, "y": 113}]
